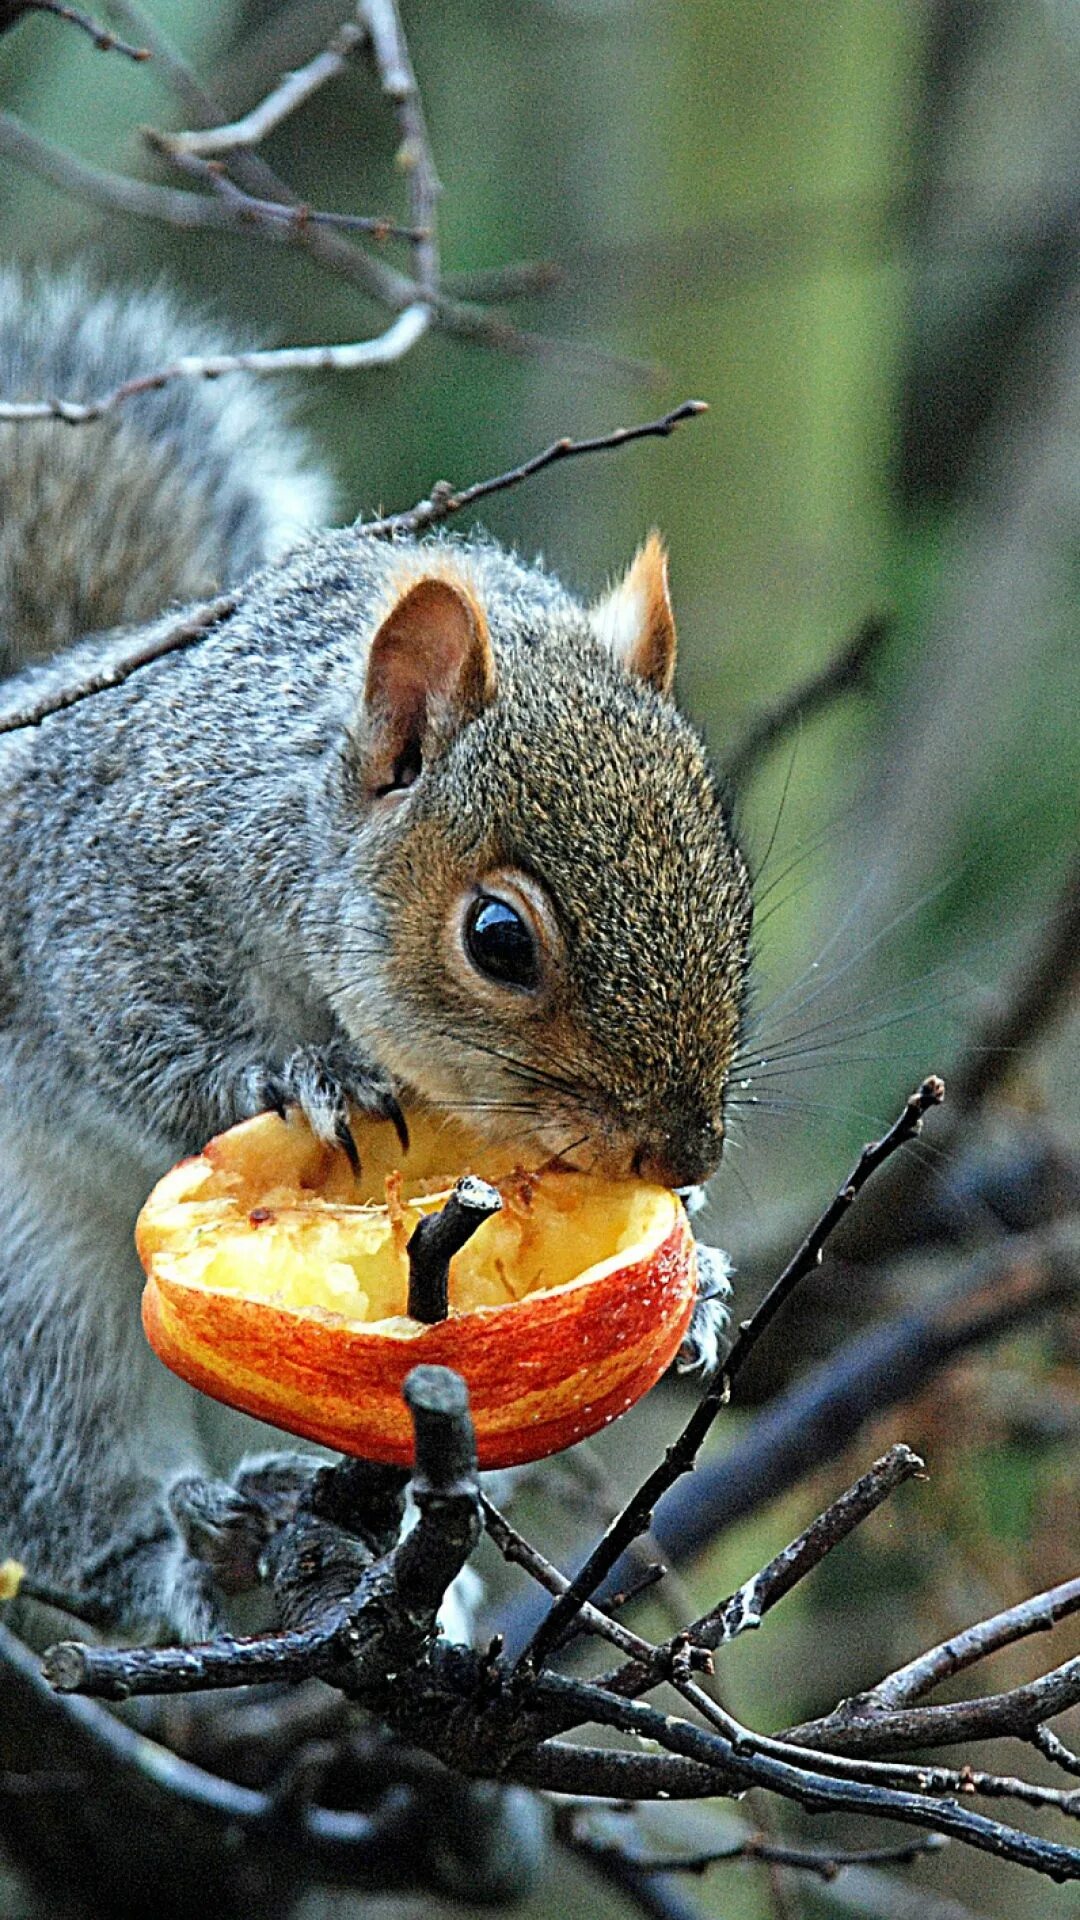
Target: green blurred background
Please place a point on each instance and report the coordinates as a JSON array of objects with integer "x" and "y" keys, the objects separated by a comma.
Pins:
[{"x": 854, "y": 229}]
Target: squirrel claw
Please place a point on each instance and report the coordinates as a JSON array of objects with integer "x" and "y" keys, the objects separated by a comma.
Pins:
[
  {"x": 343, "y": 1137},
  {"x": 323, "y": 1082},
  {"x": 391, "y": 1111}
]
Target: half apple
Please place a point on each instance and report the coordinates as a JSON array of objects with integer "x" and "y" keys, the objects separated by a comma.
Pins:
[{"x": 277, "y": 1282}]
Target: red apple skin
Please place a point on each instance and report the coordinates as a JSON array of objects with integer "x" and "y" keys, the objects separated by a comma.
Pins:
[{"x": 542, "y": 1372}]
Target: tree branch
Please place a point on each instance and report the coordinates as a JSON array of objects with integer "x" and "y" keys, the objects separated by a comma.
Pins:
[
  {"x": 1006, "y": 1286},
  {"x": 681, "y": 1455},
  {"x": 105, "y": 42},
  {"x": 282, "y": 100},
  {"x": 444, "y": 499},
  {"x": 1017, "y": 1712},
  {"x": 961, "y": 1650},
  {"x": 848, "y": 671},
  {"x": 176, "y": 636},
  {"x": 748, "y": 1606},
  {"x": 353, "y": 357}
]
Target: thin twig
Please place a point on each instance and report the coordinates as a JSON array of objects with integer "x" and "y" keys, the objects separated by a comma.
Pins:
[
  {"x": 651, "y": 1664},
  {"x": 1048, "y": 1744},
  {"x": 825, "y": 1863},
  {"x": 655, "y": 1895},
  {"x": 445, "y": 499},
  {"x": 584, "y": 1703},
  {"x": 395, "y": 69},
  {"x": 331, "y": 249},
  {"x": 747, "y": 1607},
  {"x": 1007, "y": 1285},
  {"x": 847, "y": 671},
  {"x": 519, "y": 1552},
  {"x": 174, "y": 637},
  {"x": 809, "y": 1255},
  {"x": 355, "y": 356},
  {"x": 195, "y": 624},
  {"x": 961, "y": 1650},
  {"x": 276, "y": 214},
  {"x": 437, "y": 1237},
  {"x": 103, "y": 40},
  {"x": 681, "y": 1455},
  {"x": 112, "y": 192},
  {"x": 284, "y": 99},
  {"x": 1017, "y": 1712}
]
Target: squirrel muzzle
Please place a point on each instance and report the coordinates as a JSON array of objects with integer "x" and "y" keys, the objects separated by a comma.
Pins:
[{"x": 680, "y": 1158}]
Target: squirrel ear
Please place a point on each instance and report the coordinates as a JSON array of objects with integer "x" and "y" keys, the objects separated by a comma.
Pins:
[
  {"x": 635, "y": 622},
  {"x": 430, "y": 669}
]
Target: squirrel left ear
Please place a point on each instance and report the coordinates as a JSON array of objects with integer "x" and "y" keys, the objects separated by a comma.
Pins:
[
  {"x": 430, "y": 669},
  {"x": 635, "y": 622}
]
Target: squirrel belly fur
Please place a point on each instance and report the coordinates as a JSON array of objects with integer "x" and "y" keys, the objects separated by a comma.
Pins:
[{"x": 410, "y": 821}]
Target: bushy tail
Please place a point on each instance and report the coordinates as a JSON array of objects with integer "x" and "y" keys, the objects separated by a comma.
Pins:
[{"x": 171, "y": 496}]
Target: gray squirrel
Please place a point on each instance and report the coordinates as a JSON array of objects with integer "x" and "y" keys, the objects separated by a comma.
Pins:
[{"x": 410, "y": 821}]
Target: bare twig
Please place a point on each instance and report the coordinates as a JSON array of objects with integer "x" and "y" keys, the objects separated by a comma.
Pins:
[
  {"x": 825, "y": 1863},
  {"x": 445, "y": 499},
  {"x": 809, "y": 1255},
  {"x": 437, "y": 1237},
  {"x": 478, "y": 1715},
  {"x": 961, "y": 1650},
  {"x": 331, "y": 249},
  {"x": 721, "y": 1757},
  {"x": 112, "y": 192},
  {"x": 847, "y": 671},
  {"x": 393, "y": 344},
  {"x": 1017, "y": 1712},
  {"x": 1048, "y": 1744},
  {"x": 175, "y": 636},
  {"x": 350, "y": 1614},
  {"x": 284, "y": 99},
  {"x": 519, "y": 1552},
  {"x": 655, "y": 1895},
  {"x": 104, "y": 41},
  {"x": 275, "y": 214},
  {"x": 1007, "y": 1285},
  {"x": 681, "y": 1455},
  {"x": 651, "y": 1664},
  {"x": 161, "y": 1789},
  {"x": 395, "y": 69},
  {"x": 748, "y": 1606}
]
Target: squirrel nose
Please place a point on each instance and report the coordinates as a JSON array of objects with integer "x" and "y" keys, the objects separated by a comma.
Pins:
[{"x": 680, "y": 1161}]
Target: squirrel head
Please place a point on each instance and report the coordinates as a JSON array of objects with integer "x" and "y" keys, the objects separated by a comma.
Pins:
[{"x": 561, "y": 917}]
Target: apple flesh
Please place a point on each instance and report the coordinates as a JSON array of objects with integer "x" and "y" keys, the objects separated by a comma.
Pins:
[{"x": 277, "y": 1282}]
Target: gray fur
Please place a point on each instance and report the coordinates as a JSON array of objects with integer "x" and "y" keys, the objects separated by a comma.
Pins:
[
  {"x": 170, "y": 497},
  {"x": 199, "y": 886}
]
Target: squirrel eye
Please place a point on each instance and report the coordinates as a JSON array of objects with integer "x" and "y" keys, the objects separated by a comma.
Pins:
[{"x": 500, "y": 943}]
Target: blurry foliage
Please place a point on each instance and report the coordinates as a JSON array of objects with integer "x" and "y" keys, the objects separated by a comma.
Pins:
[{"x": 853, "y": 230}]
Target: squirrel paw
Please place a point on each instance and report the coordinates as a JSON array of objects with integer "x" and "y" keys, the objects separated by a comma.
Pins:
[
  {"x": 226, "y": 1526},
  {"x": 707, "y": 1340},
  {"x": 324, "y": 1082},
  {"x": 223, "y": 1529}
]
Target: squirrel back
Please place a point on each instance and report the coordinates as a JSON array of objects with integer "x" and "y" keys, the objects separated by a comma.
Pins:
[{"x": 172, "y": 495}]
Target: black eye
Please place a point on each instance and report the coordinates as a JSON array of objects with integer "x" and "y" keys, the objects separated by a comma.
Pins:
[{"x": 500, "y": 944}]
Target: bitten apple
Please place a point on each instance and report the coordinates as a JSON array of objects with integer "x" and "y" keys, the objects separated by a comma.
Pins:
[{"x": 278, "y": 1280}]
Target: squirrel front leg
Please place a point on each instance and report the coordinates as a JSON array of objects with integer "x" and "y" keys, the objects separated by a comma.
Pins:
[{"x": 192, "y": 1083}]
